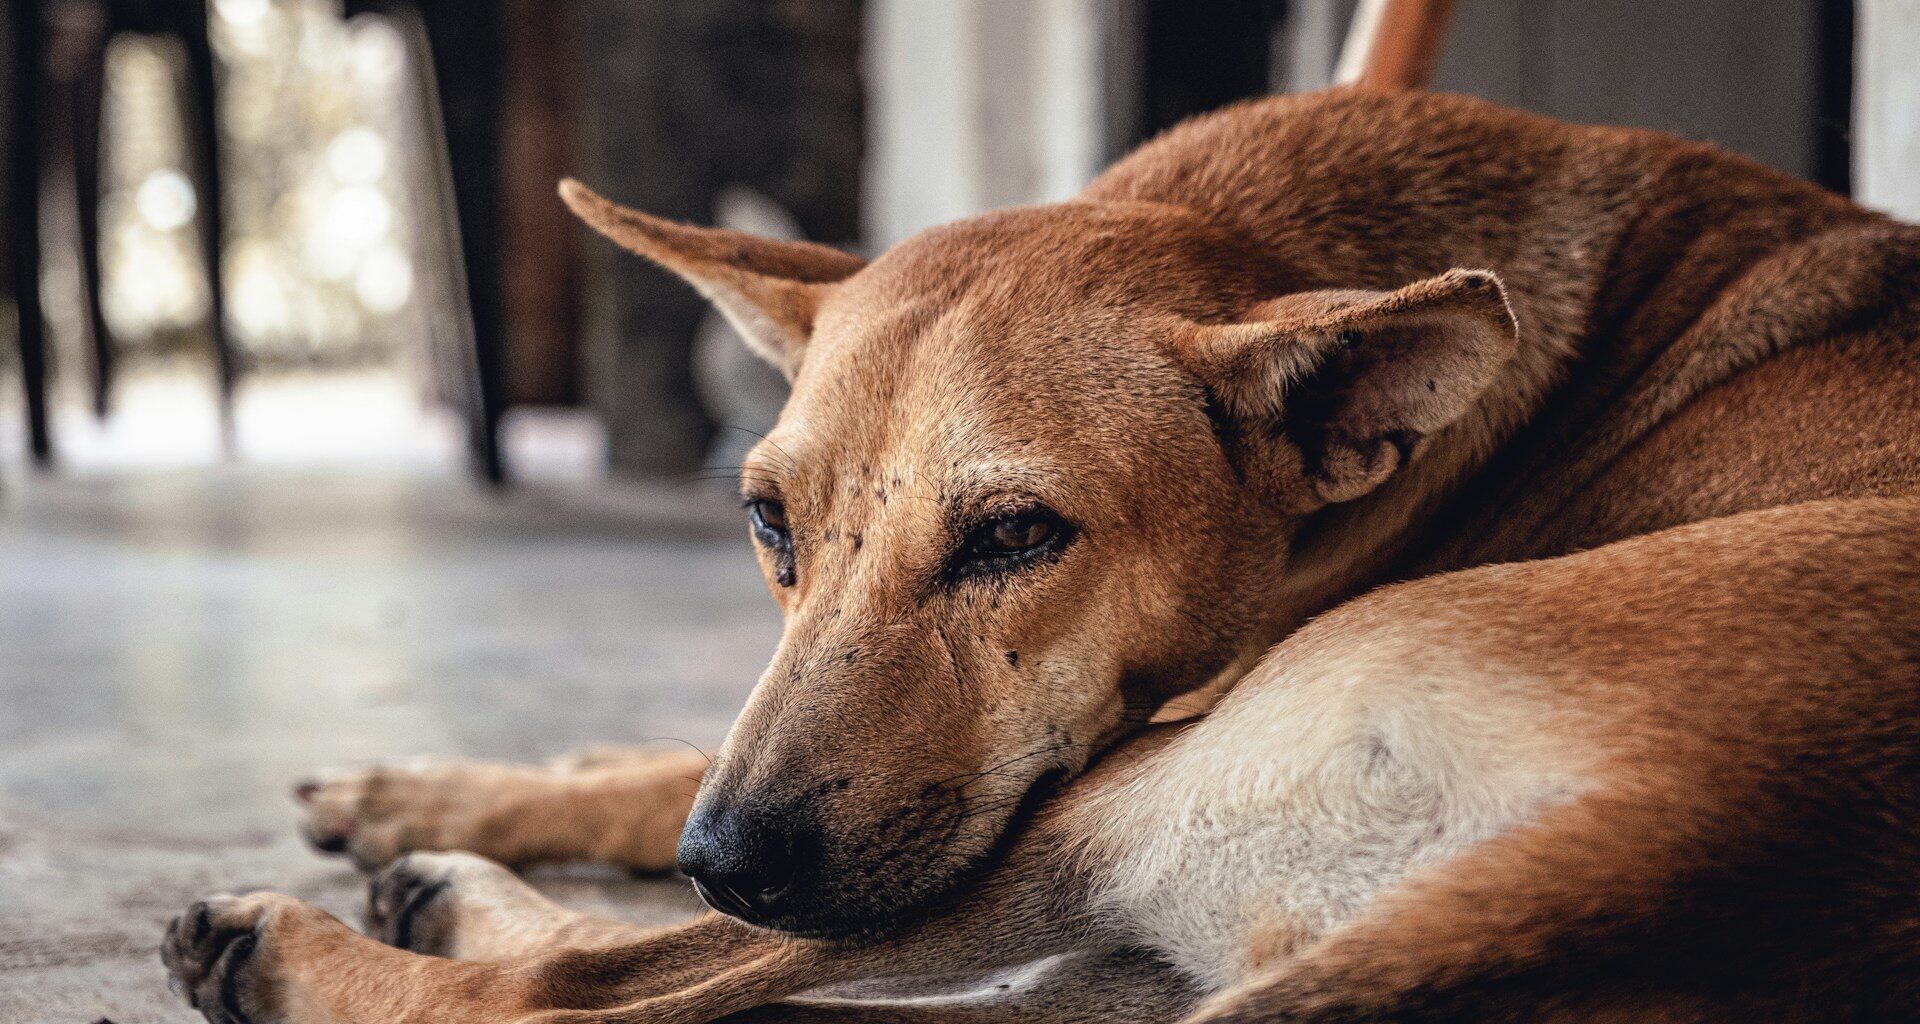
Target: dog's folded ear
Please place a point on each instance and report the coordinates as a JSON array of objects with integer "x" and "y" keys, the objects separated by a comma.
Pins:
[
  {"x": 1352, "y": 380},
  {"x": 768, "y": 289}
]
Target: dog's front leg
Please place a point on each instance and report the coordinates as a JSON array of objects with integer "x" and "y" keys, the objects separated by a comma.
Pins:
[
  {"x": 1125, "y": 987},
  {"x": 269, "y": 959},
  {"x": 265, "y": 958},
  {"x": 465, "y": 907},
  {"x": 622, "y": 807}
]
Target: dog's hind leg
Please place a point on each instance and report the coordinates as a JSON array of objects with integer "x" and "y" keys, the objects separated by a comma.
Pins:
[
  {"x": 624, "y": 808},
  {"x": 1622, "y": 907},
  {"x": 1747, "y": 714}
]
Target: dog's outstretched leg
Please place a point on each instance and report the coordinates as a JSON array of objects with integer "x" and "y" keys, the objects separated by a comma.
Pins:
[
  {"x": 461, "y": 906},
  {"x": 269, "y": 959},
  {"x": 280, "y": 961},
  {"x": 265, "y": 958},
  {"x": 620, "y": 807},
  {"x": 1127, "y": 987},
  {"x": 465, "y": 907}
]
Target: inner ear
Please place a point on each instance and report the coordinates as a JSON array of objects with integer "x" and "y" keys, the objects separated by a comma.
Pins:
[
  {"x": 769, "y": 289},
  {"x": 1358, "y": 414},
  {"x": 1357, "y": 380}
]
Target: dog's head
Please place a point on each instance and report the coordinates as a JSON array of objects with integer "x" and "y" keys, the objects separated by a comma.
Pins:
[{"x": 1041, "y": 472}]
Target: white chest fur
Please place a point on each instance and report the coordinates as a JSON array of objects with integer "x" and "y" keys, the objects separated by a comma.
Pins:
[{"x": 1311, "y": 789}]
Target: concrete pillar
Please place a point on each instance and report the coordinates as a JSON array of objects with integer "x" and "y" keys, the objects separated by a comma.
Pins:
[
  {"x": 978, "y": 104},
  {"x": 1886, "y": 90}
]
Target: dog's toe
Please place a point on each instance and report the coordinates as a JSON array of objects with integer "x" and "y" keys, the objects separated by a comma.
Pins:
[
  {"x": 211, "y": 952},
  {"x": 369, "y": 815},
  {"x": 457, "y": 905},
  {"x": 325, "y": 842},
  {"x": 333, "y": 808},
  {"x": 408, "y": 903}
]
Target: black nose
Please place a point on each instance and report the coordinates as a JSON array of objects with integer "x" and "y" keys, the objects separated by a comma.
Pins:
[{"x": 742, "y": 860}]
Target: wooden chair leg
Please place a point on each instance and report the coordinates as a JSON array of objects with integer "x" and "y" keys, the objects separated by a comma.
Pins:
[
  {"x": 1402, "y": 43},
  {"x": 203, "y": 118},
  {"x": 467, "y": 47},
  {"x": 86, "y": 98},
  {"x": 24, "y": 155}
]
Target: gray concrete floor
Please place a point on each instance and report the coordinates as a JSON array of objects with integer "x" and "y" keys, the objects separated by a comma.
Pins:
[{"x": 175, "y": 650}]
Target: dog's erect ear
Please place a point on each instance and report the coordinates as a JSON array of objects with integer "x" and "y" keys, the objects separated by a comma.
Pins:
[
  {"x": 1353, "y": 379},
  {"x": 769, "y": 290}
]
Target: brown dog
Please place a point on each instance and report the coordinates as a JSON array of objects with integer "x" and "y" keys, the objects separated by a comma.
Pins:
[{"x": 1047, "y": 471}]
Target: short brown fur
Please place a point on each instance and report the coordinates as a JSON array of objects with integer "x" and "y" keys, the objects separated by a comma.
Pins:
[{"x": 1667, "y": 399}]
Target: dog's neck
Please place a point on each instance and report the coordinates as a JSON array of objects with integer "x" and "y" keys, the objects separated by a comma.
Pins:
[
  {"x": 1597, "y": 336},
  {"x": 1612, "y": 243}
]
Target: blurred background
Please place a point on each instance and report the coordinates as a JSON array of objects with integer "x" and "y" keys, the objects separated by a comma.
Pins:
[
  {"x": 251, "y": 242},
  {"x": 326, "y": 435}
]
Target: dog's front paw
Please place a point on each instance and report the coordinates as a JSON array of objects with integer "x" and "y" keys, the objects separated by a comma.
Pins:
[
  {"x": 460, "y": 906},
  {"x": 265, "y": 958},
  {"x": 413, "y": 903},
  {"x": 379, "y": 814},
  {"x": 218, "y": 957}
]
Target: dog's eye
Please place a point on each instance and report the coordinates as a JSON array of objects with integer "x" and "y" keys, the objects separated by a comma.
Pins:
[
  {"x": 1011, "y": 541},
  {"x": 1014, "y": 534},
  {"x": 770, "y": 529},
  {"x": 770, "y": 522}
]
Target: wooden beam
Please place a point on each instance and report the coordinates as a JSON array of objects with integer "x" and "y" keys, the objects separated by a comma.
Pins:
[{"x": 1405, "y": 46}]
